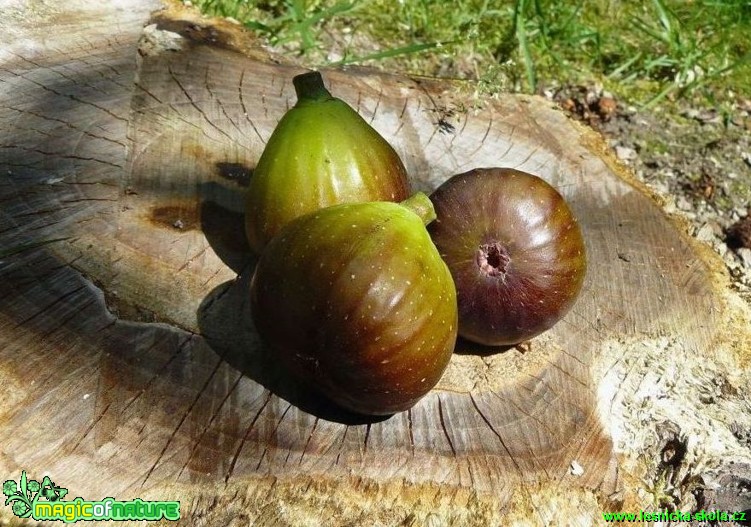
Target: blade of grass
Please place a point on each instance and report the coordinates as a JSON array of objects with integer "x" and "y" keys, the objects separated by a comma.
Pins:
[
  {"x": 303, "y": 22},
  {"x": 662, "y": 14},
  {"x": 646, "y": 28},
  {"x": 521, "y": 37},
  {"x": 657, "y": 98},
  {"x": 616, "y": 73},
  {"x": 330, "y": 12},
  {"x": 379, "y": 55}
]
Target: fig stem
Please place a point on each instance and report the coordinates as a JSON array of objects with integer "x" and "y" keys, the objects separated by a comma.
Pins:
[
  {"x": 309, "y": 87},
  {"x": 421, "y": 205}
]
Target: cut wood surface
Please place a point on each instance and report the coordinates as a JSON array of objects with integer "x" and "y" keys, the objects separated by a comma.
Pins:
[{"x": 129, "y": 366}]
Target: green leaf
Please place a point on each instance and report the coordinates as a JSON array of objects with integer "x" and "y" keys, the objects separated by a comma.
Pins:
[
  {"x": 52, "y": 492},
  {"x": 23, "y": 483},
  {"x": 258, "y": 26}
]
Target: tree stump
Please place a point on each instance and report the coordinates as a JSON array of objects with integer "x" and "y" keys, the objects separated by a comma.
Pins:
[{"x": 129, "y": 365}]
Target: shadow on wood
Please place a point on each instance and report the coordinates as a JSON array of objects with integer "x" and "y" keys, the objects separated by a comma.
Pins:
[{"x": 225, "y": 321}]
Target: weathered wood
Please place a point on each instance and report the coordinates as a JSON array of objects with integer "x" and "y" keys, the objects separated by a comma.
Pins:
[{"x": 128, "y": 363}]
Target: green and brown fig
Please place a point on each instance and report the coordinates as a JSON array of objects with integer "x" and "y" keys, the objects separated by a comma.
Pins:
[
  {"x": 356, "y": 300},
  {"x": 515, "y": 250},
  {"x": 321, "y": 153}
]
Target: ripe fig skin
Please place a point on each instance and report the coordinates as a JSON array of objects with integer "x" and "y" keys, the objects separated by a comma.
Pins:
[
  {"x": 321, "y": 153},
  {"x": 357, "y": 302},
  {"x": 515, "y": 251}
]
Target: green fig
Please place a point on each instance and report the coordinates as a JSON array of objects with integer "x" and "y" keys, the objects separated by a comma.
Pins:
[
  {"x": 356, "y": 300},
  {"x": 321, "y": 153}
]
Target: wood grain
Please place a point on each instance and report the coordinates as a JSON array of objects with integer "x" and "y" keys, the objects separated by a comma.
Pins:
[{"x": 128, "y": 362}]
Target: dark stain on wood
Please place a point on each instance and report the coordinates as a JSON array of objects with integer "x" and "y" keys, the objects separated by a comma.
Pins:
[
  {"x": 236, "y": 172},
  {"x": 182, "y": 217}
]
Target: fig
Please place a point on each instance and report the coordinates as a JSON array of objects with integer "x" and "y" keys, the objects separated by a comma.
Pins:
[
  {"x": 356, "y": 300},
  {"x": 514, "y": 249},
  {"x": 321, "y": 153}
]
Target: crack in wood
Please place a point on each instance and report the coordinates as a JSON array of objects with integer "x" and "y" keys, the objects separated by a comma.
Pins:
[
  {"x": 266, "y": 443},
  {"x": 443, "y": 426},
  {"x": 341, "y": 445},
  {"x": 542, "y": 422},
  {"x": 378, "y": 105},
  {"x": 200, "y": 110},
  {"x": 139, "y": 86},
  {"x": 310, "y": 436},
  {"x": 359, "y": 101},
  {"x": 568, "y": 374},
  {"x": 365, "y": 442},
  {"x": 198, "y": 441},
  {"x": 159, "y": 372},
  {"x": 522, "y": 478},
  {"x": 67, "y": 124},
  {"x": 212, "y": 277},
  {"x": 411, "y": 433},
  {"x": 73, "y": 314},
  {"x": 60, "y": 155},
  {"x": 85, "y": 200},
  {"x": 34, "y": 228},
  {"x": 182, "y": 419},
  {"x": 95, "y": 67},
  {"x": 68, "y": 96},
  {"x": 60, "y": 299},
  {"x": 245, "y": 438},
  {"x": 245, "y": 109},
  {"x": 218, "y": 100},
  {"x": 90, "y": 428},
  {"x": 564, "y": 400},
  {"x": 404, "y": 109},
  {"x": 193, "y": 258},
  {"x": 176, "y": 113}
]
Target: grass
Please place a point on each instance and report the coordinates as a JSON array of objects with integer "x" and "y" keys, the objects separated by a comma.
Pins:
[{"x": 645, "y": 52}]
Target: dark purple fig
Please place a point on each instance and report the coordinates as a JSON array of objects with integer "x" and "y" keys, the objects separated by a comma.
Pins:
[
  {"x": 321, "y": 153},
  {"x": 356, "y": 300},
  {"x": 514, "y": 249}
]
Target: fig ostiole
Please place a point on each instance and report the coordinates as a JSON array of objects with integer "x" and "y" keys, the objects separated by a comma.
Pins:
[
  {"x": 321, "y": 153},
  {"x": 515, "y": 251},
  {"x": 356, "y": 300}
]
